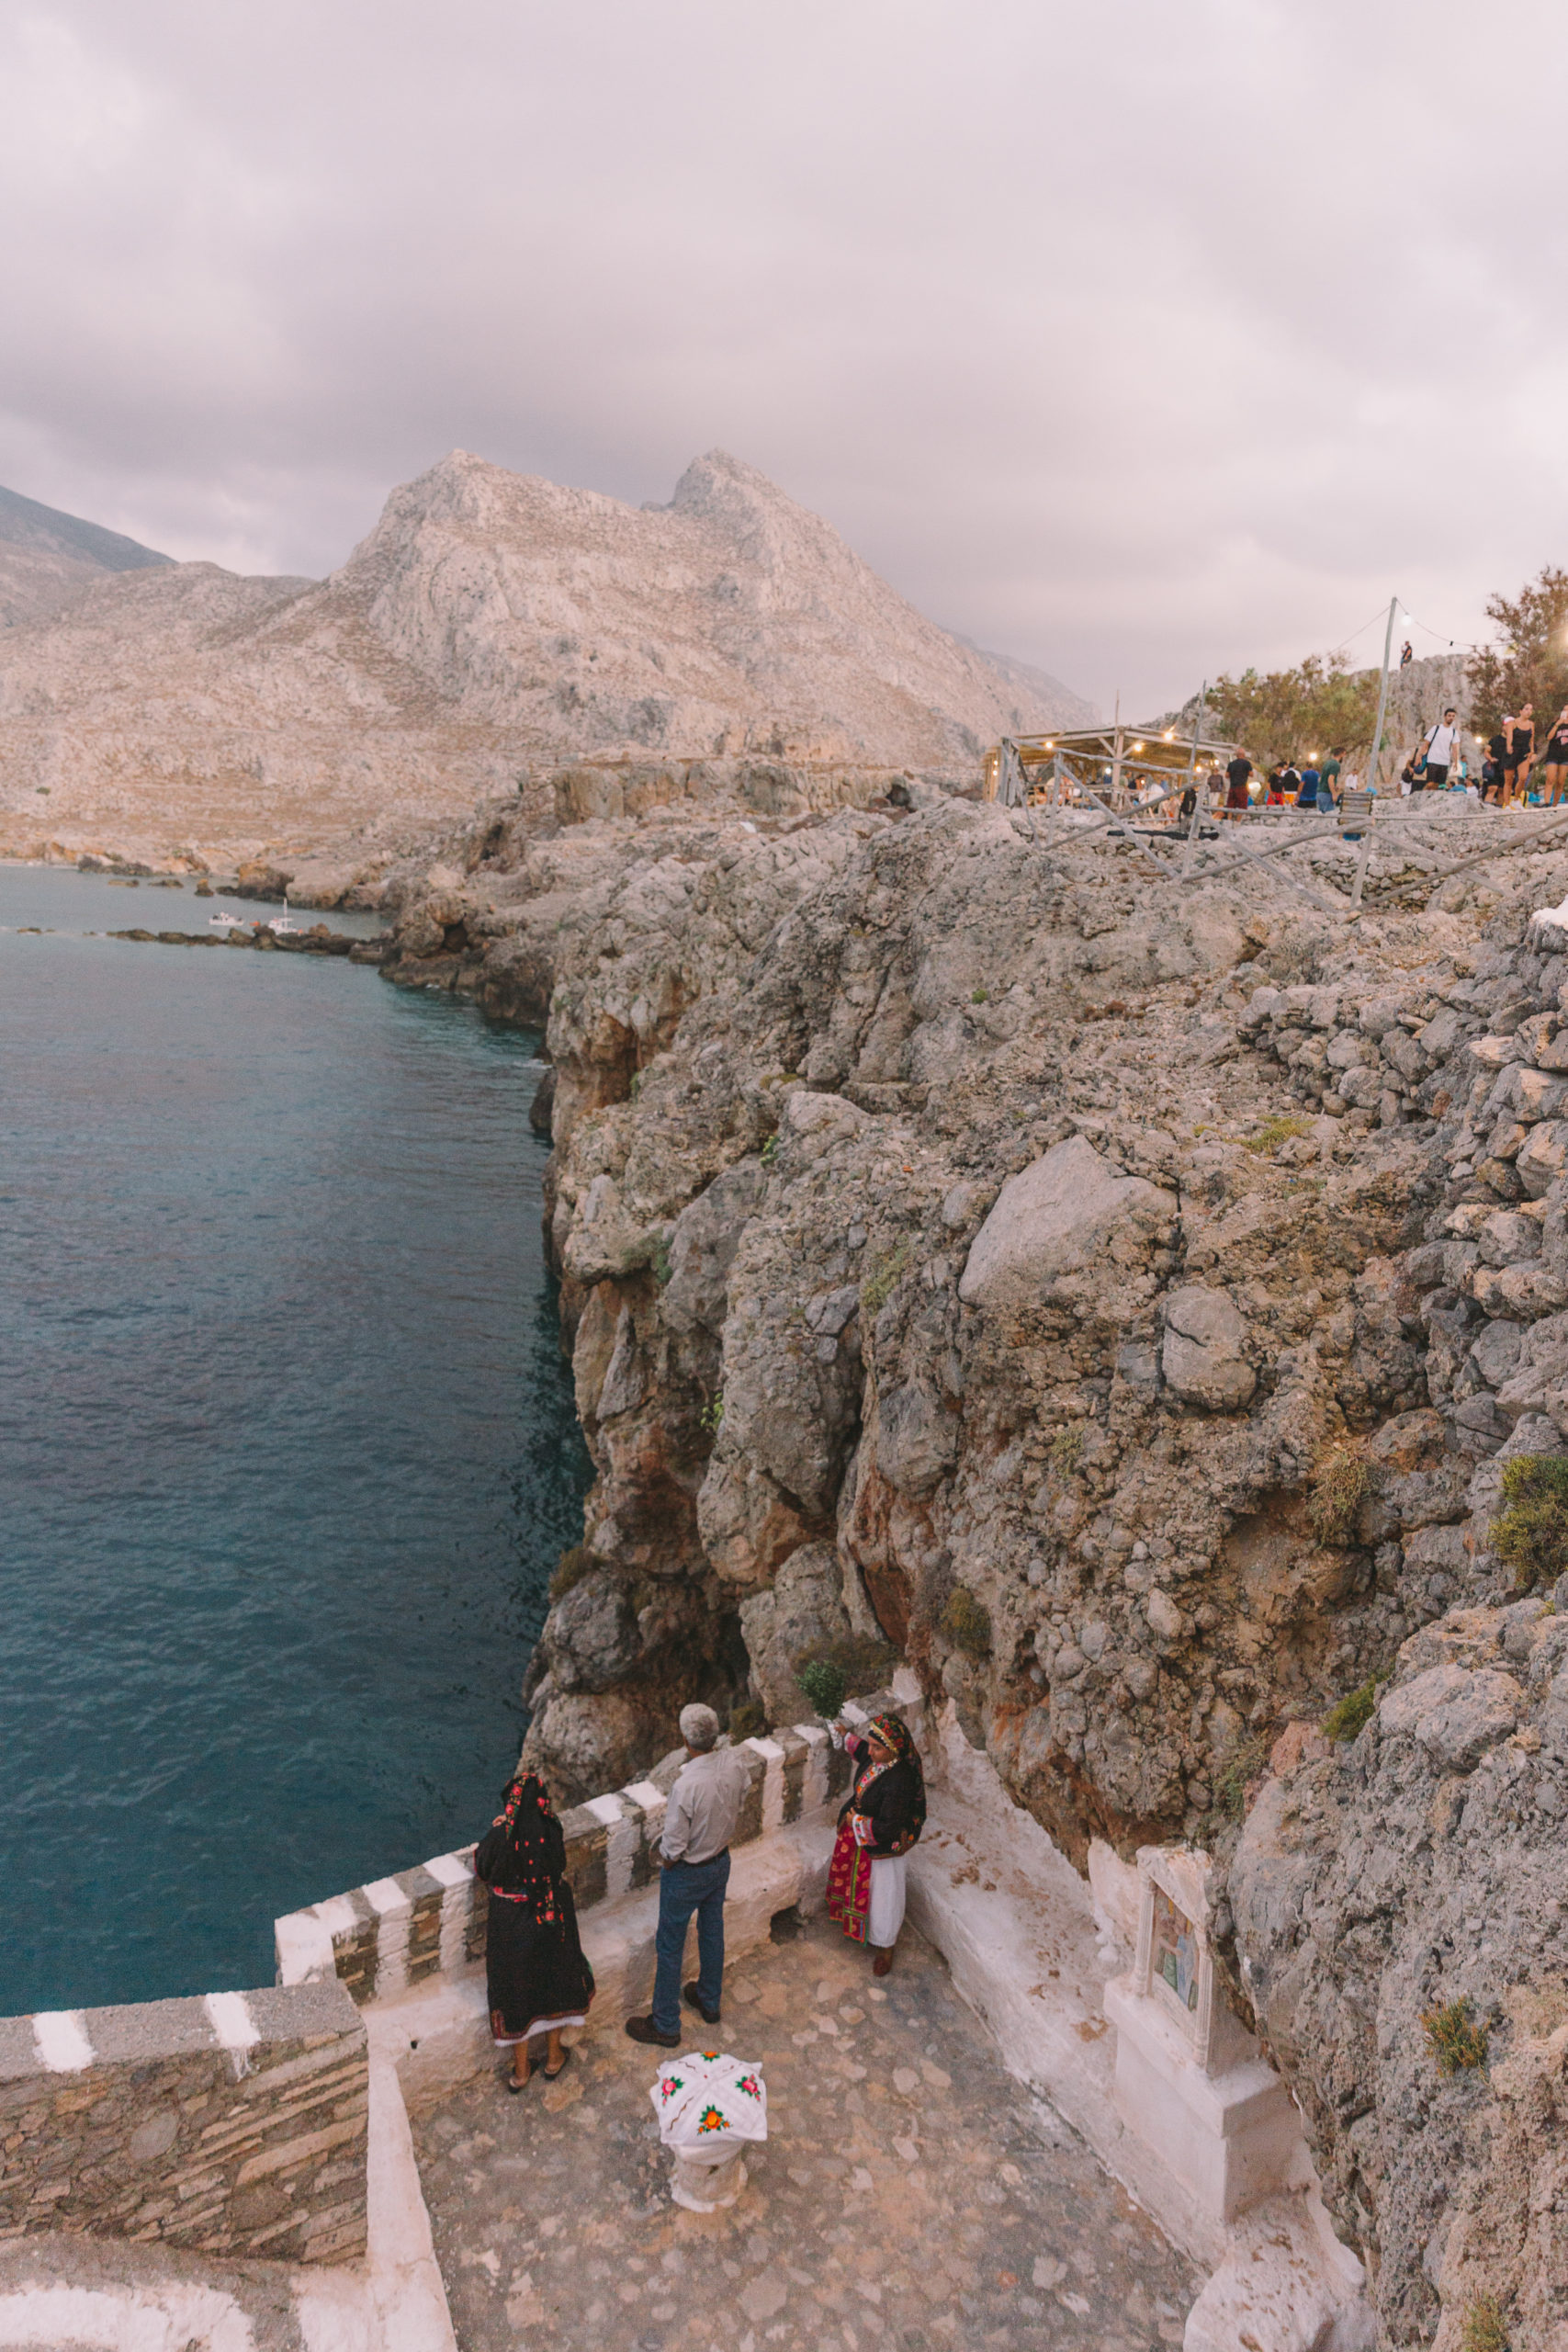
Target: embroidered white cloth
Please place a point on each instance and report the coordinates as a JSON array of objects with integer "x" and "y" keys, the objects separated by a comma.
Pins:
[{"x": 708, "y": 2101}]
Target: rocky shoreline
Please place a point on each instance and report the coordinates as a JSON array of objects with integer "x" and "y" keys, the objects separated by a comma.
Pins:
[
  {"x": 317, "y": 941},
  {"x": 1122, "y": 1302}
]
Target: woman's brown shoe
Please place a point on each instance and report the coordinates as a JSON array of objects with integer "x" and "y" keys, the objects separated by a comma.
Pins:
[{"x": 882, "y": 1964}]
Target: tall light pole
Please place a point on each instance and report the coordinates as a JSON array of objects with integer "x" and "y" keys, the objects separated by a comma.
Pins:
[{"x": 1382, "y": 696}]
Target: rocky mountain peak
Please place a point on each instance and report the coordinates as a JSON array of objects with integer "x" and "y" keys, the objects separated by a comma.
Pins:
[{"x": 491, "y": 624}]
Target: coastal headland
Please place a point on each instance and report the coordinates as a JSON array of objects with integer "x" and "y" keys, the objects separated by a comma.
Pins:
[
  {"x": 1119, "y": 1303},
  {"x": 1126, "y": 1303}
]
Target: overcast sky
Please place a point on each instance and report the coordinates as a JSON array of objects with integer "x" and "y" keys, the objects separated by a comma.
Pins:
[{"x": 1140, "y": 340}]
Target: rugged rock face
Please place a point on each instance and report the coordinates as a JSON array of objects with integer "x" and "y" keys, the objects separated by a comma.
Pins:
[
  {"x": 1123, "y": 1298},
  {"x": 492, "y": 625},
  {"x": 1371, "y": 1890}
]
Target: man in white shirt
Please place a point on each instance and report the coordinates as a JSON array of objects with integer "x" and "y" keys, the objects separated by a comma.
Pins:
[
  {"x": 700, "y": 1819},
  {"x": 1438, "y": 751}
]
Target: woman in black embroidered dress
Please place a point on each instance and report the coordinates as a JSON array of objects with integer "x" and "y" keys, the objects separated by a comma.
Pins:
[
  {"x": 537, "y": 1979},
  {"x": 882, "y": 1816}
]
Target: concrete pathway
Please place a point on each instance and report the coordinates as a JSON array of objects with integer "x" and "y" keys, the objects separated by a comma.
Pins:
[{"x": 910, "y": 2195}]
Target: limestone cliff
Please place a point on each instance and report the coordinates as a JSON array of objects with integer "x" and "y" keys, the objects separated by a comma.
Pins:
[
  {"x": 1123, "y": 1296},
  {"x": 492, "y": 622}
]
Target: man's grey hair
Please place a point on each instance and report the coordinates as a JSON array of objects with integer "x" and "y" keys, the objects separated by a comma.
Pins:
[{"x": 699, "y": 1726}]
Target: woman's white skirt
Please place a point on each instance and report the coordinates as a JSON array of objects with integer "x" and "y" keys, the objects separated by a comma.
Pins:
[{"x": 884, "y": 1911}]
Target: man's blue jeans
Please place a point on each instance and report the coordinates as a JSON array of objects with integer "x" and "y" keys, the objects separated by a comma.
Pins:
[{"x": 685, "y": 1887}]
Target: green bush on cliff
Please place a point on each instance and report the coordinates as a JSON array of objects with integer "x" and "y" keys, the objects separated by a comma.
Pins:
[
  {"x": 1350, "y": 1715},
  {"x": 1530, "y": 1532},
  {"x": 966, "y": 1623},
  {"x": 747, "y": 1719}
]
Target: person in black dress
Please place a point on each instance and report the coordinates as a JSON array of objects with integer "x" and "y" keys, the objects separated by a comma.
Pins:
[
  {"x": 1520, "y": 730},
  {"x": 1554, "y": 760},
  {"x": 882, "y": 1818},
  {"x": 537, "y": 1979}
]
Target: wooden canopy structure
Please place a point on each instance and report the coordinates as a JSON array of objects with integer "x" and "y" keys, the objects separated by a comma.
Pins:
[{"x": 1114, "y": 751}]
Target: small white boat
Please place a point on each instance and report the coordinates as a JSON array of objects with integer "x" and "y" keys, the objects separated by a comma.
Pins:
[
  {"x": 285, "y": 921},
  {"x": 224, "y": 921}
]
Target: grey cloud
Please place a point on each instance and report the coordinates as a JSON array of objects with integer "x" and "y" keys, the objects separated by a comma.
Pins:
[{"x": 1138, "y": 342}]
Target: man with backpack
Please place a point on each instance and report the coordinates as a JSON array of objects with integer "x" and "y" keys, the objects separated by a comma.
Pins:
[{"x": 1436, "y": 755}]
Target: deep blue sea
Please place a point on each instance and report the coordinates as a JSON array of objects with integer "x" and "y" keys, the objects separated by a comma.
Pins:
[{"x": 287, "y": 1447}]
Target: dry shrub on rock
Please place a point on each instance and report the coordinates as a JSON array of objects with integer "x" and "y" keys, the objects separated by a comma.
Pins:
[
  {"x": 966, "y": 1623},
  {"x": 1530, "y": 1532},
  {"x": 1485, "y": 2327},
  {"x": 1456, "y": 2040},
  {"x": 1339, "y": 1489},
  {"x": 575, "y": 1563}
]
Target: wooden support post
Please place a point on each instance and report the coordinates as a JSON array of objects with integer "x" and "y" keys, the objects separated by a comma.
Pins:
[
  {"x": 1190, "y": 849},
  {"x": 1383, "y": 698}
]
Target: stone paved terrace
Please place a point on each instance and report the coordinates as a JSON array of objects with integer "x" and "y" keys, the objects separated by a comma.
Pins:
[{"x": 910, "y": 2193}]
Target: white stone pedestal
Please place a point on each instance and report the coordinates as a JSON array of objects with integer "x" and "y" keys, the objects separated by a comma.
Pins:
[
  {"x": 1232, "y": 2136},
  {"x": 703, "y": 2187},
  {"x": 1189, "y": 2080}
]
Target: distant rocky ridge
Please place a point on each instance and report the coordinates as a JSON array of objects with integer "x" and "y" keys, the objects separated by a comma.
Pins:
[
  {"x": 47, "y": 559},
  {"x": 491, "y": 624}
]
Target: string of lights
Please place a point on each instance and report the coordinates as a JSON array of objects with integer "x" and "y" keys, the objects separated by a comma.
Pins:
[{"x": 1407, "y": 620}]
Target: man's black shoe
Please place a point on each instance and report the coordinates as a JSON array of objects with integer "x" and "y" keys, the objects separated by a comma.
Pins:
[
  {"x": 708, "y": 2016},
  {"x": 644, "y": 2030}
]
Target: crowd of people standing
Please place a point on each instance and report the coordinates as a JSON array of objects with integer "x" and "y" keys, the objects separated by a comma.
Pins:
[
  {"x": 1518, "y": 770},
  {"x": 539, "y": 1982},
  {"x": 1512, "y": 770}
]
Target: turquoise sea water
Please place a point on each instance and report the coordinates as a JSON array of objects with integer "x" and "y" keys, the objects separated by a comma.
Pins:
[{"x": 287, "y": 1449}]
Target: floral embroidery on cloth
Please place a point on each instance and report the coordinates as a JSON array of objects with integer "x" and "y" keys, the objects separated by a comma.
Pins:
[{"x": 710, "y": 2100}]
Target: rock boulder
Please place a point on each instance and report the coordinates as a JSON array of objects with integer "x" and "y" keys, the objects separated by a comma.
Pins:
[
  {"x": 1054, "y": 1218},
  {"x": 802, "y": 1607},
  {"x": 1453, "y": 1716},
  {"x": 1203, "y": 1358}
]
